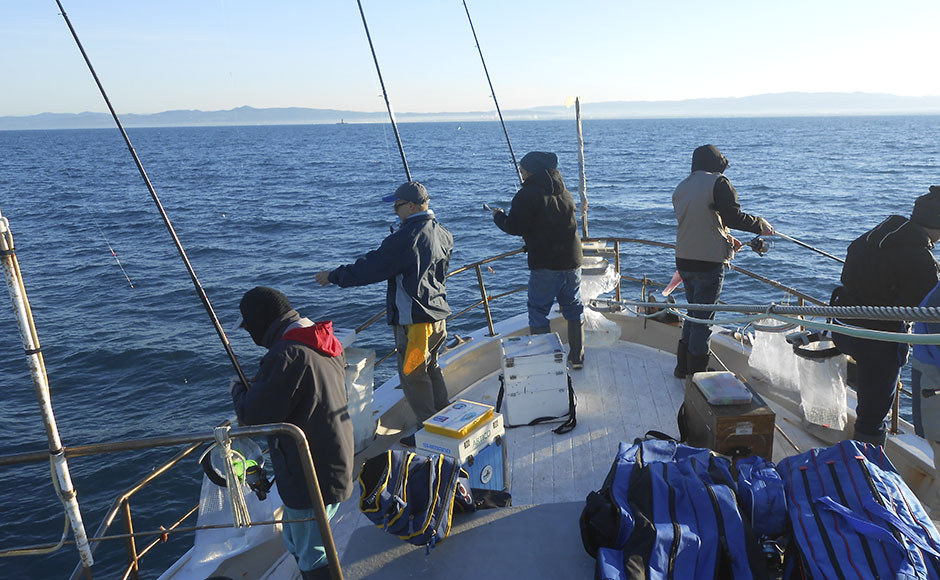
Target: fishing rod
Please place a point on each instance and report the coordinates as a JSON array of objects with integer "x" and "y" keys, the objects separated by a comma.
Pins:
[
  {"x": 809, "y": 247},
  {"x": 493, "y": 94},
  {"x": 153, "y": 194},
  {"x": 388, "y": 105}
]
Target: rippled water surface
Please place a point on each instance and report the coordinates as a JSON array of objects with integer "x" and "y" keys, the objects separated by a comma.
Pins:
[{"x": 273, "y": 205}]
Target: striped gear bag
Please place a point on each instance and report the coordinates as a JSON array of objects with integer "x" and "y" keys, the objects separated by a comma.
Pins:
[
  {"x": 668, "y": 511},
  {"x": 412, "y": 496},
  {"x": 853, "y": 516}
]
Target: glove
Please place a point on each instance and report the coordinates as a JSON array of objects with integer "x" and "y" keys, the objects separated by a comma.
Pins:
[{"x": 232, "y": 383}]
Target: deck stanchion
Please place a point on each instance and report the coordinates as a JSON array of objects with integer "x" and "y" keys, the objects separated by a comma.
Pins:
[
  {"x": 131, "y": 544},
  {"x": 617, "y": 267},
  {"x": 896, "y": 408},
  {"x": 486, "y": 302}
]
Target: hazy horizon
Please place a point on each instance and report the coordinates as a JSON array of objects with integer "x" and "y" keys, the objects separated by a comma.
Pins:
[{"x": 219, "y": 55}]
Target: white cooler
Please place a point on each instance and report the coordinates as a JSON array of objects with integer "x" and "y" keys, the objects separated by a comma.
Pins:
[
  {"x": 474, "y": 435},
  {"x": 535, "y": 378}
]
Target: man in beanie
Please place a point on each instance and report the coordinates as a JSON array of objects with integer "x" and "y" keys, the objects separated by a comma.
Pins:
[
  {"x": 707, "y": 209},
  {"x": 890, "y": 265},
  {"x": 542, "y": 212},
  {"x": 413, "y": 261},
  {"x": 302, "y": 381}
]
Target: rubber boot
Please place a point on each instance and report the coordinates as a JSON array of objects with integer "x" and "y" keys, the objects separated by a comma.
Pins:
[
  {"x": 540, "y": 330},
  {"x": 576, "y": 344},
  {"x": 878, "y": 439},
  {"x": 697, "y": 363},
  {"x": 682, "y": 360}
]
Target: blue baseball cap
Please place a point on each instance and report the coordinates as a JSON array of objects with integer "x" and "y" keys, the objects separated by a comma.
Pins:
[{"x": 411, "y": 191}]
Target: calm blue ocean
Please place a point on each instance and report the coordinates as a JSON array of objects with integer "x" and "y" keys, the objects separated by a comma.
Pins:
[{"x": 273, "y": 205}]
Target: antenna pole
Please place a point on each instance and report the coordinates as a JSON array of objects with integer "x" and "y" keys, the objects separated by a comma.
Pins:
[
  {"x": 512, "y": 154},
  {"x": 388, "y": 105},
  {"x": 153, "y": 194}
]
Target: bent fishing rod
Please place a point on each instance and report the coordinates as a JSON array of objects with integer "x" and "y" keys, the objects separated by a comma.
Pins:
[
  {"x": 153, "y": 194},
  {"x": 388, "y": 105},
  {"x": 493, "y": 94}
]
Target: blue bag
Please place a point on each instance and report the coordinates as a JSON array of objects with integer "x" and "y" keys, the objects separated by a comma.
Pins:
[
  {"x": 668, "y": 510},
  {"x": 853, "y": 516},
  {"x": 762, "y": 496},
  {"x": 412, "y": 496}
]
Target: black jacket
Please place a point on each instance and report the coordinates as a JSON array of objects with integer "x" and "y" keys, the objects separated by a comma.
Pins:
[
  {"x": 891, "y": 265},
  {"x": 302, "y": 380},
  {"x": 542, "y": 213}
]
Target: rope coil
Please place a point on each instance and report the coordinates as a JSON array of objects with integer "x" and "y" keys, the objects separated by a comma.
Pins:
[{"x": 240, "y": 515}]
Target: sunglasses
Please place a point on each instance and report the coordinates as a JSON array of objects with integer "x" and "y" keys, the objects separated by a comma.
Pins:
[{"x": 399, "y": 203}]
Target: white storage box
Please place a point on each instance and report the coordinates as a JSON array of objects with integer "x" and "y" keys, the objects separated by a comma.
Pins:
[
  {"x": 429, "y": 443},
  {"x": 535, "y": 378}
]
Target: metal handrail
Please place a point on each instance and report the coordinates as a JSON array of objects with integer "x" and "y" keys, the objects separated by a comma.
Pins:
[{"x": 194, "y": 441}]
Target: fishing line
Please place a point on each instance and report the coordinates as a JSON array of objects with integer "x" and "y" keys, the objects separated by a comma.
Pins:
[
  {"x": 493, "y": 94},
  {"x": 101, "y": 233},
  {"x": 809, "y": 247},
  {"x": 388, "y": 105},
  {"x": 153, "y": 194}
]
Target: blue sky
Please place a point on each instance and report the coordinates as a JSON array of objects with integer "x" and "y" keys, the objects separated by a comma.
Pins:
[{"x": 219, "y": 54}]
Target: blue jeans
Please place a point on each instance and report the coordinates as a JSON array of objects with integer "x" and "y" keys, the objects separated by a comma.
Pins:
[
  {"x": 700, "y": 288},
  {"x": 303, "y": 538},
  {"x": 547, "y": 285},
  {"x": 879, "y": 365}
]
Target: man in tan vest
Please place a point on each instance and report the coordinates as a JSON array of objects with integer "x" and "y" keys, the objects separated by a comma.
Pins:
[{"x": 707, "y": 208}]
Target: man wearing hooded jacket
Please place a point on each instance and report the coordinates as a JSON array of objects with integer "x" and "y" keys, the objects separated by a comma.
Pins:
[
  {"x": 542, "y": 212},
  {"x": 891, "y": 265},
  {"x": 302, "y": 381},
  {"x": 707, "y": 208},
  {"x": 413, "y": 260}
]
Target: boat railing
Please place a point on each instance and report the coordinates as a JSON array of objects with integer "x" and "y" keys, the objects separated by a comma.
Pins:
[
  {"x": 121, "y": 505},
  {"x": 606, "y": 247}
]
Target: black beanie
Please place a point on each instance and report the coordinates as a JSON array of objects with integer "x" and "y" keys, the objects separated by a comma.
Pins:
[
  {"x": 259, "y": 307},
  {"x": 536, "y": 161},
  {"x": 927, "y": 209}
]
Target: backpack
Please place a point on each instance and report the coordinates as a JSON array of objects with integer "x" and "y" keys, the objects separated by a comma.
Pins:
[
  {"x": 668, "y": 510},
  {"x": 412, "y": 496},
  {"x": 853, "y": 516}
]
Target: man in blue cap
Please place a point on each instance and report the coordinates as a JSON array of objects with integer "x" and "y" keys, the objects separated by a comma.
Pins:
[
  {"x": 413, "y": 261},
  {"x": 542, "y": 212}
]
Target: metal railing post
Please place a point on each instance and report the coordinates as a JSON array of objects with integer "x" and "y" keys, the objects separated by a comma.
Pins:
[
  {"x": 131, "y": 544},
  {"x": 617, "y": 267},
  {"x": 486, "y": 302},
  {"x": 896, "y": 409}
]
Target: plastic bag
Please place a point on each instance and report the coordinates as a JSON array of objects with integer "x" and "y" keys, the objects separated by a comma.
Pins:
[
  {"x": 599, "y": 330},
  {"x": 820, "y": 382}
]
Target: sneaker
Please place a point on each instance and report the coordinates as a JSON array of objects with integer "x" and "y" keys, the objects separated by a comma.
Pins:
[
  {"x": 577, "y": 366},
  {"x": 408, "y": 441}
]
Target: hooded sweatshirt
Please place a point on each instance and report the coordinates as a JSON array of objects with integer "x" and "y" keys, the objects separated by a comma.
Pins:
[
  {"x": 711, "y": 190},
  {"x": 302, "y": 380},
  {"x": 542, "y": 212},
  {"x": 891, "y": 265}
]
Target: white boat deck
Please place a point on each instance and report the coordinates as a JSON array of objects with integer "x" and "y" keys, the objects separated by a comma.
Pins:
[{"x": 623, "y": 391}]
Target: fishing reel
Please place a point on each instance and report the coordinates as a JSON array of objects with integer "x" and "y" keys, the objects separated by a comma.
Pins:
[
  {"x": 247, "y": 465},
  {"x": 257, "y": 480},
  {"x": 759, "y": 245}
]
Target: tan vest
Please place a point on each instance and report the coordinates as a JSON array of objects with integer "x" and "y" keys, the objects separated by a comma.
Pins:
[{"x": 701, "y": 235}]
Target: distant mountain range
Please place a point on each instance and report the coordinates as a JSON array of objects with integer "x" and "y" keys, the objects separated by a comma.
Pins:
[{"x": 768, "y": 105}]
